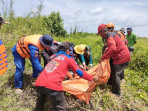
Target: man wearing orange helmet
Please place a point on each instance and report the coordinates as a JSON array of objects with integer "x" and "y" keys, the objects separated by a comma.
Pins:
[
  {"x": 110, "y": 27},
  {"x": 119, "y": 54}
]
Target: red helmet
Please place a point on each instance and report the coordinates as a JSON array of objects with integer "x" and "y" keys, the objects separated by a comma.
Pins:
[{"x": 100, "y": 27}]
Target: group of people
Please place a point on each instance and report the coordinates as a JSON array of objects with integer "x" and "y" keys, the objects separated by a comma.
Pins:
[
  {"x": 28, "y": 47},
  {"x": 60, "y": 57},
  {"x": 57, "y": 65},
  {"x": 117, "y": 47},
  {"x": 80, "y": 52}
]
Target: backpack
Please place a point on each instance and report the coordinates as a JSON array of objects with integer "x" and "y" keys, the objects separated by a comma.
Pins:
[{"x": 122, "y": 36}]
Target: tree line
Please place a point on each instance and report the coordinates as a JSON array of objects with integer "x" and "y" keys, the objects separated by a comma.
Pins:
[{"x": 32, "y": 23}]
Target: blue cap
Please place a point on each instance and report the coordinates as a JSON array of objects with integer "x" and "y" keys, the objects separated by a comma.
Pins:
[
  {"x": 46, "y": 40},
  {"x": 129, "y": 29}
]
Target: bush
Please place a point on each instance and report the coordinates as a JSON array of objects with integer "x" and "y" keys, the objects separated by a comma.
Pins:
[{"x": 139, "y": 59}]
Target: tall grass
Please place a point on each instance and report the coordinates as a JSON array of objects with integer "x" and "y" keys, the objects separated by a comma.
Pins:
[{"x": 133, "y": 92}]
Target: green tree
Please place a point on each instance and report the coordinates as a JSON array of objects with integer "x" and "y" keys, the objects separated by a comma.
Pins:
[
  {"x": 4, "y": 8},
  {"x": 11, "y": 11},
  {"x": 54, "y": 24}
]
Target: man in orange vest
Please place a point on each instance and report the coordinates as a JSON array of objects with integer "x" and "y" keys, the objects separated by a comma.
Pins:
[
  {"x": 28, "y": 47},
  {"x": 3, "y": 54}
]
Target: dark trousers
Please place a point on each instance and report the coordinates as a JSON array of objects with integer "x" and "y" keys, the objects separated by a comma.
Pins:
[
  {"x": 122, "y": 75},
  {"x": 56, "y": 98},
  {"x": 116, "y": 73},
  {"x": 131, "y": 49},
  {"x": 87, "y": 60}
]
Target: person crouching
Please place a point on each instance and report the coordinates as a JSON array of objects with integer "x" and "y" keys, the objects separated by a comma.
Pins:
[{"x": 49, "y": 82}]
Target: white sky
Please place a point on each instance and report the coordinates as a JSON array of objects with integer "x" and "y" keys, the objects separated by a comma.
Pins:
[{"x": 88, "y": 14}]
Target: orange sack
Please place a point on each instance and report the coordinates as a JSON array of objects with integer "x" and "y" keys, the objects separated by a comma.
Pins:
[{"x": 82, "y": 88}]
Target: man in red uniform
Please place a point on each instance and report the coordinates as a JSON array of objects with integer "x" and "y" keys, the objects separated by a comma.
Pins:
[
  {"x": 119, "y": 53},
  {"x": 111, "y": 27},
  {"x": 49, "y": 82}
]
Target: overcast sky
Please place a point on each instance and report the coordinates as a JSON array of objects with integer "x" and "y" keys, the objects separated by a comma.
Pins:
[{"x": 88, "y": 14}]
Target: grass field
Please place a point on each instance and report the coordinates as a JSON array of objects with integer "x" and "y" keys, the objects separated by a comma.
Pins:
[{"x": 134, "y": 93}]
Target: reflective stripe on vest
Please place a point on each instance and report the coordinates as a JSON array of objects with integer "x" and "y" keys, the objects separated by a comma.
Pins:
[
  {"x": 22, "y": 44},
  {"x": 3, "y": 59}
]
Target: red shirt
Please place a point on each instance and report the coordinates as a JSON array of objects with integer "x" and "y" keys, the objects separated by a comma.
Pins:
[
  {"x": 55, "y": 71},
  {"x": 117, "y": 49}
]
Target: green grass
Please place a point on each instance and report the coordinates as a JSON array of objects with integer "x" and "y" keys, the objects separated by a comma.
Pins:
[{"x": 134, "y": 93}]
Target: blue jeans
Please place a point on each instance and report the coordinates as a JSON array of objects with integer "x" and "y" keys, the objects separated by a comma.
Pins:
[{"x": 20, "y": 65}]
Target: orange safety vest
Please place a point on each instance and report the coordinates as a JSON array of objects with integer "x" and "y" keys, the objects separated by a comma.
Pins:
[
  {"x": 3, "y": 59},
  {"x": 22, "y": 44},
  {"x": 121, "y": 35}
]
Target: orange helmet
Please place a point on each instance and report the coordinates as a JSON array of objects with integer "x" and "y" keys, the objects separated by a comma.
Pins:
[{"x": 110, "y": 25}]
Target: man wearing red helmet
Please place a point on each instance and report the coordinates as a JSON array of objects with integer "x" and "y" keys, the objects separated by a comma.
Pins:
[{"x": 118, "y": 52}]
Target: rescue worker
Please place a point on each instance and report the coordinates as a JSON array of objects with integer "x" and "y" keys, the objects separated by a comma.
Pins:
[
  {"x": 3, "y": 53},
  {"x": 110, "y": 27},
  {"x": 71, "y": 49},
  {"x": 120, "y": 33},
  {"x": 118, "y": 52},
  {"x": 122, "y": 30},
  {"x": 49, "y": 82},
  {"x": 123, "y": 36},
  {"x": 132, "y": 39},
  {"x": 28, "y": 47},
  {"x": 83, "y": 53},
  {"x": 48, "y": 52}
]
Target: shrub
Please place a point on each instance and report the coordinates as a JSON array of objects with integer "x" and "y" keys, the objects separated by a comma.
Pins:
[{"x": 139, "y": 59}]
